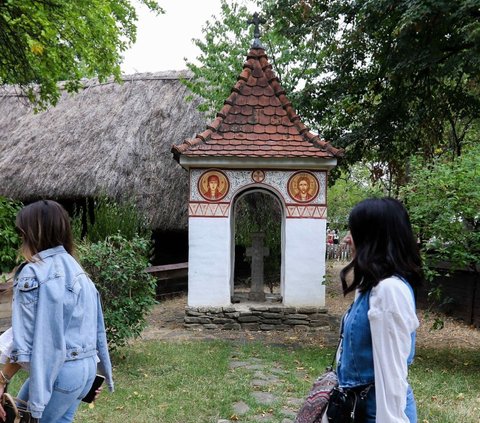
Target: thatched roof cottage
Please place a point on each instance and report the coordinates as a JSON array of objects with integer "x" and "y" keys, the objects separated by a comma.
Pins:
[{"x": 109, "y": 138}]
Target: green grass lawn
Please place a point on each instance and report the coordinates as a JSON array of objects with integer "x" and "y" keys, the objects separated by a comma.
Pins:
[{"x": 191, "y": 382}]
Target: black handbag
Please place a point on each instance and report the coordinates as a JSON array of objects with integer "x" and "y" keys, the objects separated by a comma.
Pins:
[
  {"x": 345, "y": 403},
  {"x": 16, "y": 410}
]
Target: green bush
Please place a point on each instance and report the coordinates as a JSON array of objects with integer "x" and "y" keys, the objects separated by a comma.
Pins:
[
  {"x": 111, "y": 218},
  {"x": 443, "y": 200},
  {"x": 349, "y": 189},
  {"x": 9, "y": 240},
  {"x": 117, "y": 267}
]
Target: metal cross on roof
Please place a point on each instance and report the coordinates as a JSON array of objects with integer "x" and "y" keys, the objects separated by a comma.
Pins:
[{"x": 256, "y": 20}]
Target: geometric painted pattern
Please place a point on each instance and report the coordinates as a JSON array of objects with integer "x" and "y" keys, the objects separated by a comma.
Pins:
[
  {"x": 312, "y": 212},
  {"x": 208, "y": 209},
  {"x": 199, "y": 209}
]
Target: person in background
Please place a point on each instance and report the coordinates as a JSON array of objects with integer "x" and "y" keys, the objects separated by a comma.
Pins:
[
  {"x": 57, "y": 320},
  {"x": 336, "y": 237},
  {"x": 378, "y": 341},
  {"x": 330, "y": 237}
]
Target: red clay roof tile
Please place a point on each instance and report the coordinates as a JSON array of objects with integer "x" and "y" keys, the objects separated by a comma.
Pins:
[
  {"x": 246, "y": 90},
  {"x": 245, "y": 74},
  {"x": 262, "y": 82},
  {"x": 257, "y": 120},
  {"x": 263, "y": 100}
]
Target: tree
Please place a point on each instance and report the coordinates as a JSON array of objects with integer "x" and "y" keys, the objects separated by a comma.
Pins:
[
  {"x": 45, "y": 41},
  {"x": 398, "y": 76},
  {"x": 227, "y": 41},
  {"x": 443, "y": 200},
  {"x": 350, "y": 188},
  {"x": 384, "y": 80}
]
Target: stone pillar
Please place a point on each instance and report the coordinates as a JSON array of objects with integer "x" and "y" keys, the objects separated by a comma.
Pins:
[
  {"x": 209, "y": 262},
  {"x": 304, "y": 262}
]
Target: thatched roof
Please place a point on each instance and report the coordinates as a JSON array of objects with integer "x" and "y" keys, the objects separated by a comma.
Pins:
[{"x": 110, "y": 138}]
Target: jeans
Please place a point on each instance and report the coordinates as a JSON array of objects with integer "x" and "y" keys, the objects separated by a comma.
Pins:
[{"x": 71, "y": 385}]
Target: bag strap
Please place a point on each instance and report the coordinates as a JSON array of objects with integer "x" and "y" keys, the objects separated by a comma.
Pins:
[
  {"x": 340, "y": 339},
  {"x": 17, "y": 402},
  {"x": 8, "y": 399}
]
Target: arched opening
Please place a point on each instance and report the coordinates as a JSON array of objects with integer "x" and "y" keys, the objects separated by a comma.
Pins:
[{"x": 257, "y": 250}]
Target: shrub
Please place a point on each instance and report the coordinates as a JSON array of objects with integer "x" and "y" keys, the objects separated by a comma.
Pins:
[
  {"x": 117, "y": 267},
  {"x": 111, "y": 218},
  {"x": 443, "y": 200},
  {"x": 349, "y": 189},
  {"x": 9, "y": 240}
]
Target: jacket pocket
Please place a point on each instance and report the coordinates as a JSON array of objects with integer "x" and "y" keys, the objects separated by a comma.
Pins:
[{"x": 27, "y": 290}]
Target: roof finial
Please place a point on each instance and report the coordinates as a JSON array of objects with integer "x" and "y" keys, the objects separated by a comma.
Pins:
[{"x": 256, "y": 20}]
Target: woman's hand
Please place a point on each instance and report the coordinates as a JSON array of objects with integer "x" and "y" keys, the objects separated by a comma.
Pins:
[
  {"x": 3, "y": 414},
  {"x": 98, "y": 392}
]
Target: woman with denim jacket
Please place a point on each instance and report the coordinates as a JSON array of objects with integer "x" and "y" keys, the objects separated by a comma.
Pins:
[
  {"x": 57, "y": 320},
  {"x": 378, "y": 341}
]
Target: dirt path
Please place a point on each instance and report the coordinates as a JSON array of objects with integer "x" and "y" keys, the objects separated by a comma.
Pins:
[{"x": 166, "y": 322}]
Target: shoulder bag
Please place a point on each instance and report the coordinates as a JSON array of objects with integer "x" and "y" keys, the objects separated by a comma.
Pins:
[
  {"x": 314, "y": 407},
  {"x": 16, "y": 410}
]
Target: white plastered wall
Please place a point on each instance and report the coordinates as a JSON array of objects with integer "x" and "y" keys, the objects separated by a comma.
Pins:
[
  {"x": 209, "y": 262},
  {"x": 211, "y": 244},
  {"x": 304, "y": 262}
]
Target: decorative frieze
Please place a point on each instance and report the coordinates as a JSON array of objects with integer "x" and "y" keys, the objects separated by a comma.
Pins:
[
  {"x": 215, "y": 185},
  {"x": 208, "y": 209},
  {"x": 312, "y": 212}
]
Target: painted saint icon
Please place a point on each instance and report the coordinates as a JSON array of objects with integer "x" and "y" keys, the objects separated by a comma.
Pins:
[
  {"x": 213, "y": 185},
  {"x": 303, "y": 187}
]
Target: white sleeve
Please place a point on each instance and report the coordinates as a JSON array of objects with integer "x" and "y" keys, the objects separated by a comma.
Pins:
[
  {"x": 392, "y": 320},
  {"x": 6, "y": 345}
]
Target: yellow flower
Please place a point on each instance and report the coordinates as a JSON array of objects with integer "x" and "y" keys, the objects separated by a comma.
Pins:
[{"x": 36, "y": 48}]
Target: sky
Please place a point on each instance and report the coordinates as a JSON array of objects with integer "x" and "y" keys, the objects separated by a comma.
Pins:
[{"x": 163, "y": 41}]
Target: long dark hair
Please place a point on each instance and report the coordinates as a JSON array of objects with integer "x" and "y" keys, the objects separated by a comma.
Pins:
[
  {"x": 384, "y": 245},
  {"x": 42, "y": 225}
]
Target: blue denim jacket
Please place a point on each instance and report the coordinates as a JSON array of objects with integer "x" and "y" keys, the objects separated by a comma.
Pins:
[
  {"x": 56, "y": 317},
  {"x": 355, "y": 366}
]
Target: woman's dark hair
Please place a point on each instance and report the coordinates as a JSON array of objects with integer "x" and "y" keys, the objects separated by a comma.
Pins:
[
  {"x": 384, "y": 245},
  {"x": 42, "y": 225}
]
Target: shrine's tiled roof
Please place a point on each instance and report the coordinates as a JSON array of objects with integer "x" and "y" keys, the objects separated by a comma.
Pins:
[{"x": 257, "y": 120}]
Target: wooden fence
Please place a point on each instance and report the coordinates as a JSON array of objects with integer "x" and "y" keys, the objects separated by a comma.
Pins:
[
  {"x": 339, "y": 252},
  {"x": 459, "y": 294}
]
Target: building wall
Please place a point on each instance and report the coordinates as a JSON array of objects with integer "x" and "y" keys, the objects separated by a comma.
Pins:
[
  {"x": 209, "y": 262},
  {"x": 304, "y": 262},
  {"x": 211, "y": 248}
]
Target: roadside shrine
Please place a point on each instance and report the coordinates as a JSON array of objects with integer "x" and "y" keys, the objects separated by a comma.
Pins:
[{"x": 257, "y": 143}]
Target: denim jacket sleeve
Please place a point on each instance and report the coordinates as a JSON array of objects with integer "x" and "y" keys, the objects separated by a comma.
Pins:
[
  {"x": 105, "y": 366},
  {"x": 38, "y": 334}
]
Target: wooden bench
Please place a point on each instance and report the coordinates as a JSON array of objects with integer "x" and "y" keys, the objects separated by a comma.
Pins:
[{"x": 172, "y": 278}]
